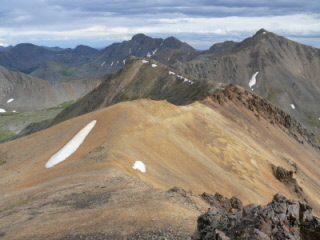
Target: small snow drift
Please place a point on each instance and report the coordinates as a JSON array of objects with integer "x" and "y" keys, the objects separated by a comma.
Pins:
[
  {"x": 144, "y": 61},
  {"x": 293, "y": 107},
  {"x": 71, "y": 146},
  {"x": 253, "y": 80},
  {"x": 2, "y": 110},
  {"x": 10, "y": 100},
  {"x": 138, "y": 165},
  {"x": 154, "y": 65},
  {"x": 171, "y": 73}
]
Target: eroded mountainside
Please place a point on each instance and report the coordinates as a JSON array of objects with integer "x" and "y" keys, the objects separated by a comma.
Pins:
[
  {"x": 215, "y": 145},
  {"x": 139, "y": 78},
  {"x": 30, "y": 93},
  {"x": 286, "y": 72},
  {"x": 25, "y": 99}
]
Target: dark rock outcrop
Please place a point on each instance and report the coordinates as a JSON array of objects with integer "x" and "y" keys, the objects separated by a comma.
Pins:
[
  {"x": 280, "y": 219},
  {"x": 286, "y": 177},
  {"x": 265, "y": 109}
]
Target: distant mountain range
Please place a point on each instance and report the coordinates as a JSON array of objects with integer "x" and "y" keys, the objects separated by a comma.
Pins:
[
  {"x": 54, "y": 64},
  {"x": 285, "y": 72},
  {"x": 4, "y": 48},
  {"x": 159, "y": 139}
]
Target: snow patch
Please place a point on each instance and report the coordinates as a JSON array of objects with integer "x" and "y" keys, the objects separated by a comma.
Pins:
[
  {"x": 124, "y": 62},
  {"x": 138, "y": 165},
  {"x": 111, "y": 64},
  {"x": 72, "y": 146},
  {"x": 292, "y": 106},
  {"x": 253, "y": 80},
  {"x": 144, "y": 61},
  {"x": 153, "y": 52},
  {"x": 2, "y": 110},
  {"x": 154, "y": 65},
  {"x": 171, "y": 73},
  {"x": 10, "y": 100},
  {"x": 103, "y": 64},
  {"x": 14, "y": 111},
  {"x": 149, "y": 55},
  {"x": 264, "y": 32}
]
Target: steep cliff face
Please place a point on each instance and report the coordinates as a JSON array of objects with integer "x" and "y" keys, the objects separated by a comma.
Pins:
[{"x": 286, "y": 73}]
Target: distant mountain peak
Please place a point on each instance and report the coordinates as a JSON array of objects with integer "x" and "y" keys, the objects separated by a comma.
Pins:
[
  {"x": 140, "y": 38},
  {"x": 261, "y": 31},
  {"x": 172, "y": 42}
]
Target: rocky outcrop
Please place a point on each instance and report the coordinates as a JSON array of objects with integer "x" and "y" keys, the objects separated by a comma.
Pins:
[
  {"x": 280, "y": 219},
  {"x": 262, "y": 108},
  {"x": 286, "y": 177}
]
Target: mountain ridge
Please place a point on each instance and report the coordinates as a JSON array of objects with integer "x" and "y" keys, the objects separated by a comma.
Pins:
[
  {"x": 207, "y": 146},
  {"x": 287, "y": 72}
]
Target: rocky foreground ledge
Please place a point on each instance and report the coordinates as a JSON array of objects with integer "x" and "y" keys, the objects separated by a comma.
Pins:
[{"x": 280, "y": 219}]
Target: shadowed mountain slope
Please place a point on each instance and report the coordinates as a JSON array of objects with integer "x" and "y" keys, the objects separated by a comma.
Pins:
[
  {"x": 83, "y": 61},
  {"x": 139, "y": 78},
  {"x": 113, "y": 57},
  {"x": 288, "y": 73},
  {"x": 230, "y": 142},
  {"x": 30, "y": 93},
  {"x": 26, "y": 57},
  {"x": 25, "y": 99}
]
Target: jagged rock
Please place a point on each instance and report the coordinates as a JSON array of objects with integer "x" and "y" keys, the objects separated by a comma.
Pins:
[
  {"x": 280, "y": 219},
  {"x": 266, "y": 110},
  {"x": 286, "y": 177}
]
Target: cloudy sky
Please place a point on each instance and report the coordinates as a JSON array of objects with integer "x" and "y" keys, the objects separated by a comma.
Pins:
[{"x": 201, "y": 23}]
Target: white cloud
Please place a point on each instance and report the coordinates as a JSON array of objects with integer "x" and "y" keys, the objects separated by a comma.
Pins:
[{"x": 80, "y": 21}]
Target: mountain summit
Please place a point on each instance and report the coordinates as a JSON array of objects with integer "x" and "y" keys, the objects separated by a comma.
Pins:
[{"x": 284, "y": 72}]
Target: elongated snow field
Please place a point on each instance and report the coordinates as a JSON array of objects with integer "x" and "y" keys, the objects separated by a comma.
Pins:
[
  {"x": 71, "y": 146},
  {"x": 253, "y": 80}
]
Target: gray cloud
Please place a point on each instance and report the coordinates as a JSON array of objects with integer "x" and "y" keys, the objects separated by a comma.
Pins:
[{"x": 100, "y": 21}]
